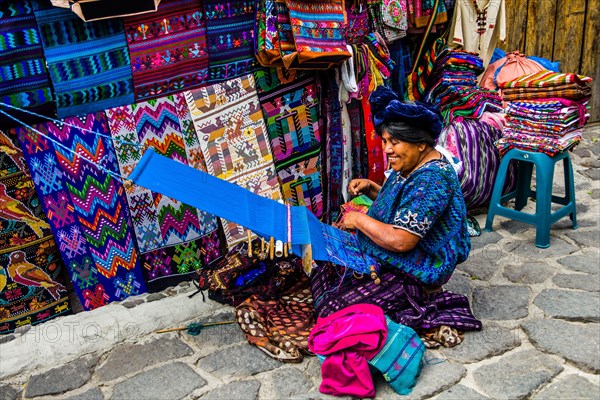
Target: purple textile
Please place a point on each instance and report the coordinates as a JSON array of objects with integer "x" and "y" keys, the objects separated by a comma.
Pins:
[{"x": 401, "y": 297}]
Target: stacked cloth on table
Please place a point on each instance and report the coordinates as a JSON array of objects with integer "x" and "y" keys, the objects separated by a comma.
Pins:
[
  {"x": 548, "y": 112},
  {"x": 452, "y": 86},
  {"x": 547, "y": 84}
]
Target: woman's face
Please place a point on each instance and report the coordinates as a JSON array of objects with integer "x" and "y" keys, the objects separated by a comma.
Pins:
[{"x": 402, "y": 156}]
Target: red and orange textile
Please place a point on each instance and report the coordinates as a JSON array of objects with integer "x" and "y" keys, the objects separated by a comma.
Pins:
[
  {"x": 167, "y": 49},
  {"x": 32, "y": 278},
  {"x": 547, "y": 84},
  {"x": 317, "y": 31}
]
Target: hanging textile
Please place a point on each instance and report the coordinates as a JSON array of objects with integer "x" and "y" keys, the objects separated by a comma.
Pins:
[
  {"x": 477, "y": 25},
  {"x": 88, "y": 62},
  {"x": 233, "y": 138},
  {"x": 168, "y": 49},
  {"x": 375, "y": 151},
  {"x": 420, "y": 12},
  {"x": 317, "y": 33},
  {"x": 230, "y": 38},
  {"x": 24, "y": 79},
  {"x": 85, "y": 206},
  {"x": 170, "y": 265},
  {"x": 292, "y": 116},
  {"x": 333, "y": 149},
  {"x": 358, "y": 23},
  {"x": 159, "y": 221},
  {"x": 268, "y": 49},
  {"x": 32, "y": 286}
]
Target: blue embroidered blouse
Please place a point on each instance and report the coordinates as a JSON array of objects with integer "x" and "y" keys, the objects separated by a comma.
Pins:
[{"x": 430, "y": 204}]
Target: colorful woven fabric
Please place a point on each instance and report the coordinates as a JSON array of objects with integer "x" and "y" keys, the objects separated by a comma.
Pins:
[
  {"x": 168, "y": 49},
  {"x": 317, "y": 31},
  {"x": 88, "y": 61},
  {"x": 375, "y": 151},
  {"x": 230, "y": 38},
  {"x": 32, "y": 288},
  {"x": 279, "y": 327},
  {"x": 547, "y": 79},
  {"x": 333, "y": 150},
  {"x": 358, "y": 24},
  {"x": 170, "y": 265},
  {"x": 547, "y": 145},
  {"x": 24, "y": 79},
  {"x": 86, "y": 207},
  {"x": 267, "y": 47},
  {"x": 571, "y": 91},
  {"x": 232, "y": 134},
  {"x": 472, "y": 143},
  {"x": 404, "y": 299},
  {"x": 158, "y": 220},
  {"x": 547, "y": 125},
  {"x": 292, "y": 116}
]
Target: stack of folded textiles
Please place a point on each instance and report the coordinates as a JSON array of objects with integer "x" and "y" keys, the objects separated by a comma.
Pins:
[
  {"x": 452, "y": 86},
  {"x": 546, "y": 112}
]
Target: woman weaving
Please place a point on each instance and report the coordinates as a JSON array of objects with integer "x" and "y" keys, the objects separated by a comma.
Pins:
[{"x": 416, "y": 227}]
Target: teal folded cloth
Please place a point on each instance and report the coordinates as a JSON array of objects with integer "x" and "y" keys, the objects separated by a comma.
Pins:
[{"x": 400, "y": 358}]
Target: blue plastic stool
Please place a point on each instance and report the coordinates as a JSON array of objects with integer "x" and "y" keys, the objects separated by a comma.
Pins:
[{"x": 543, "y": 217}]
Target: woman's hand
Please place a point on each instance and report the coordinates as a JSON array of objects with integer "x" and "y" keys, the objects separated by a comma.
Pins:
[
  {"x": 356, "y": 187},
  {"x": 350, "y": 221}
]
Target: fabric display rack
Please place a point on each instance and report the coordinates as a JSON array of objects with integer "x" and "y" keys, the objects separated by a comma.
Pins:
[{"x": 268, "y": 95}]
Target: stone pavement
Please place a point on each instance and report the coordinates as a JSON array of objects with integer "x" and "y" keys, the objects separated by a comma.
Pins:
[{"x": 541, "y": 336}]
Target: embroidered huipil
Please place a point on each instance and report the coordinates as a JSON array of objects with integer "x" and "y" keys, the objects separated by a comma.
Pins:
[
  {"x": 477, "y": 25},
  {"x": 429, "y": 203}
]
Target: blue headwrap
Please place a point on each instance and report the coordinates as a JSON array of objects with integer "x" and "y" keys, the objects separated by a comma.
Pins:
[{"x": 386, "y": 107}]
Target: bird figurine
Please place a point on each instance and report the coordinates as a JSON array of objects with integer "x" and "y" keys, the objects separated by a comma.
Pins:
[
  {"x": 13, "y": 209},
  {"x": 25, "y": 273}
]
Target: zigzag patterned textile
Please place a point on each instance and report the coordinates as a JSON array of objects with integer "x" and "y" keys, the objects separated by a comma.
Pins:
[
  {"x": 168, "y": 49},
  {"x": 292, "y": 115},
  {"x": 24, "y": 79},
  {"x": 88, "y": 61},
  {"x": 230, "y": 38},
  {"x": 158, "y": 220},
  {"x": 86, "y": 207},
  {"x": 32, "y": 288},
  {"x": 232, "y": 134}
]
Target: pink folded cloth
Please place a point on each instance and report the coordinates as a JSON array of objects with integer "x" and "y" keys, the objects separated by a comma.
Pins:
[{"x": 349, "y": 338}]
